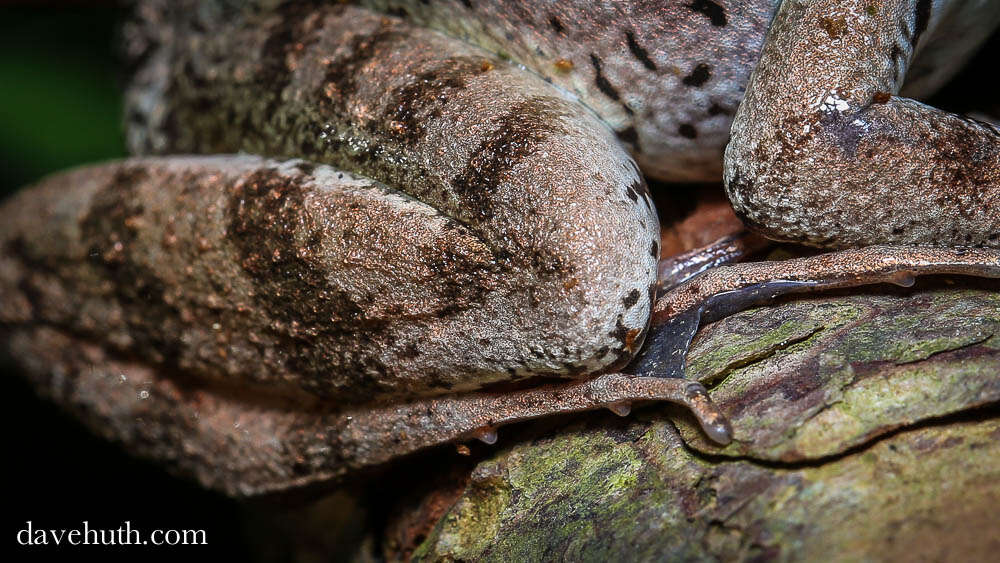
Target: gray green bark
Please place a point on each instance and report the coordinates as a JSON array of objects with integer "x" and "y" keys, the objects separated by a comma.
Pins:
[{"x": 867, "y": 429}]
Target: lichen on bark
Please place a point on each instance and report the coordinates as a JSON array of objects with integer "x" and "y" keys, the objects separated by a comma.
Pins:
[{"x": 867, "y": 428}]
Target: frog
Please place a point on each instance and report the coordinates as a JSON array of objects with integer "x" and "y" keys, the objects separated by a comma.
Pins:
[{"x": 351, "y": 232}]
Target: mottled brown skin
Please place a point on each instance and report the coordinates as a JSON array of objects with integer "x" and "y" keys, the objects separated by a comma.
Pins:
[
  {"x": 263, "y": 324},
  {"x": 496, "y": 150},
  {"x": 825, "y": 152},
  {"x": 666, "y": 76}
]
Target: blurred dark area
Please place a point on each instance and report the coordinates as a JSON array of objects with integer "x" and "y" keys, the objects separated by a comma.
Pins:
[
  {"x": 60, "y": 103},
  {"x": 61, "y": 78}
]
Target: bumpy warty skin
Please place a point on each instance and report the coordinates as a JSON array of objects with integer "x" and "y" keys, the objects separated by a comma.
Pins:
[
  {"x": 522, "y": 241},
  {"x": 666, "y": 76},
  {"x": 825, "y": 153},
  {"x": 262, "y": 323}
]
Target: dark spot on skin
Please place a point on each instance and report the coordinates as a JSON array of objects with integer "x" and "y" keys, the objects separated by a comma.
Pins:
[
  {"x": 556, "y": 25},
  {"x": 305, "y": 167},
  {"x": 105, "y": 225},
  {"x": 688, "y": 131},
  {"x": 467, "y": 4},
  {"x": 602, "y": 83},
  {"x": 627, "y": 339},
  {"x": 632, "y": 194},
  {"x": 922, "y": 17},
  {"x": 620, "y": 333},
  {"x": 399, "y": 12},
  {"x": 517, "y": 136},
  {"x": 631, "y": 136},
  {"x": 654, "y": 251},
  {"x": 291, "y": 28},
  {"x": 711, "y": 10},
  {"x": 421, "y": 100},
  {"x": 638, "y": 51},
  {"x": 135, "y": 118},
  {"x": 264, "y": 215},
  {"x": 108, "y": 231},
  {"x": 638, "y": 189},
  {"x": 631, "y": 299},
  {"x": 458, "y": 278},
  {"x": 842, "y": 130},
  {"x": 716, "y": 109},
  {"x": 699, "y": 76},
  {"x": 881, "y": 97},
  {"x": 410, "y": 351},
  {"x": 339, "y": 83},
  {"x": 898, "y": 231},
  {"x": 834, "y": 27}
]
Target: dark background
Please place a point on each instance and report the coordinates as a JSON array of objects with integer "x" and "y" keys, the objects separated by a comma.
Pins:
[{"x": 61, "y": 79}]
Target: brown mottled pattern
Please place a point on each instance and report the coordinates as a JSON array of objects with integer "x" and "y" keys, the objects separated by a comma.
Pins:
[
  {"x": 224, "y": 268},
  {"x": 639, "y": 65},
  {"x": 349, "y": 314},
  {"x": 820, "y": 155},
  {"x": 374, "y": 95},
  {"x": 278, "y": 323}
]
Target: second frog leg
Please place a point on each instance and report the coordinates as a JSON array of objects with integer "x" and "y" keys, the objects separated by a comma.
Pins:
[{"x": 729, "y": 289}]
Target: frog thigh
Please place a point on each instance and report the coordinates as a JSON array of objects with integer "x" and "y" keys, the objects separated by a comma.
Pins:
[
  {"x": 532, "y": 174},
  {"x": 823, "y": 151},
  {"x": 235, "y": 447},
  {"x": 666, "y": 76},
  {"x": 301, "y": 278}
]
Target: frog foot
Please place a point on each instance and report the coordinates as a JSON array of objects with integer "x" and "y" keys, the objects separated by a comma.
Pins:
[{"x": 427, "y": 422}]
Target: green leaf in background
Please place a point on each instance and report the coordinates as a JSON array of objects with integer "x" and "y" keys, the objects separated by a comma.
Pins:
[{"x": 60, "y": 96}]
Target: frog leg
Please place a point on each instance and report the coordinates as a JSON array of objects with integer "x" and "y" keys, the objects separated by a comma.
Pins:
[
  {"x": 675, "y": 270},
  {"x": 260, "y": 324},
  {"x": 725, "y": 290},
  {"x": 250, "y": 444},
  {"x": 825, "y": 151}
]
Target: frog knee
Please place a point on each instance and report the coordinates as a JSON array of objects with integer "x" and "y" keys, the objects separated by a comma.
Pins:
[
  {"x": 764, "y": 202},
  {"x": 793, "y": 176}
]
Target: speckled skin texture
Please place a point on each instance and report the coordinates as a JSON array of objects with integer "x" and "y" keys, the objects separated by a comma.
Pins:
[
  {"x": 667, "y": 77},
  {"x": 278, "y": 290},
  {"x": 262, "y": 323},
  {"x": 824, "y": 152},
  {"x": 494, "y": 149}
]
